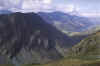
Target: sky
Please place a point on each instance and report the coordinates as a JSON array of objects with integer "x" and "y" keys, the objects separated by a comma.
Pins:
[{"x": 83, "y": 7}]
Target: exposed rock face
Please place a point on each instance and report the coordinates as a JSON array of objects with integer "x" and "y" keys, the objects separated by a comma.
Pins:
[{"x": 26, "y": 38}]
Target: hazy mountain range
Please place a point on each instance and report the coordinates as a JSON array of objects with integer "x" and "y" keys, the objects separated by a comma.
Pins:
[{"x": 66, "y": 22}]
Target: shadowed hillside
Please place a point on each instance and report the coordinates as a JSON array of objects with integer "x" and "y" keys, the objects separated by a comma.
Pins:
[{"x": 26, "y": 38}]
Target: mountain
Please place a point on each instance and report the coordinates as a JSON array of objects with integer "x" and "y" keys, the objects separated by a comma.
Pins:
[
  {"x": 95, "y": 19},
  {"x": 66, "y": 22},
  {"x": 25, "y": 38},
  {"x": 5, "y": 12},
  {"x": 86, "y": 53},
  {"x": 88, "y": 48}
]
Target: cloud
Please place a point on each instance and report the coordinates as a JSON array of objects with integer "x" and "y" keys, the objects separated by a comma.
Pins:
[
  {"x": 47, "y": 1},
  {"x": 65, "y": 8},
  {"x": 34, "y": 5},
  {"x": 10, "y": 4},
  {"x": 90, "y": 14}
]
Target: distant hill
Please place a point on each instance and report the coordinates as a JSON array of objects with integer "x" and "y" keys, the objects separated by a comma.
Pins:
[
  {"x": 66, "y": 22},
  {"x": 27, "y": 38},
  {"x": 5, "y": 12},
  {"x": 95, "y": 19}
]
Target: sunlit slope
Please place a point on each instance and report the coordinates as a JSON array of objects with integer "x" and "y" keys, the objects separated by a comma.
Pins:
[
  {"x": 89, "y": 47},
  {"x": 73, "y": 62}
]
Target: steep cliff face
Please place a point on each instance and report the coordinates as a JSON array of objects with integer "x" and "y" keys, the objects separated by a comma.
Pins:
[
  {"x": 26, "y": 38},
  {"x": 88, "y": 48}
]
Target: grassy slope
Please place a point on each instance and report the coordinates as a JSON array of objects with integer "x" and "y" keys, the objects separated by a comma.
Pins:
[
  {"x": 88, "y": 47},
  {"x": 72, "y": 62}
]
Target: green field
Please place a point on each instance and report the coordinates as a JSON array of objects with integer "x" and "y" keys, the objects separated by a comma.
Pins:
[{"x": 71, "y": 62}]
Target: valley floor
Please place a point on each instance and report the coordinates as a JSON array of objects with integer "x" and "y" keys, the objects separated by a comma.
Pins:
[
  {"x": 71, "y": 62},
  {"x": 66, "y": 62},
  {"x": 75, "y": 62}
]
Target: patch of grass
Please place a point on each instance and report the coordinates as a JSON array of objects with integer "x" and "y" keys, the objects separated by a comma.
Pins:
[
  {"x": 92, "y": 64},
  {"x": 6, "y": 65},
  {"x": 71, "y": 62}
]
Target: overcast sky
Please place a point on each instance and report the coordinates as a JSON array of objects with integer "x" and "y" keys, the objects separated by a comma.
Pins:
[{"x": 82, "y": 6}]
